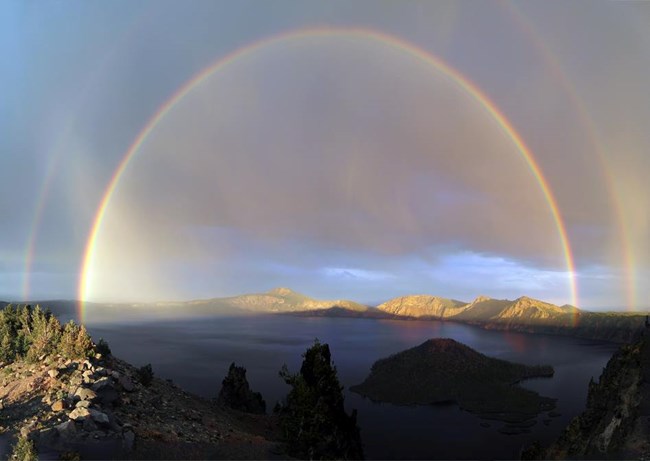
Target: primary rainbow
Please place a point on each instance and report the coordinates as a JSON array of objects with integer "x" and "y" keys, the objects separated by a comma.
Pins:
[
  {"x": 554, "y": 65},
  {"x": 408, "y": 48}
]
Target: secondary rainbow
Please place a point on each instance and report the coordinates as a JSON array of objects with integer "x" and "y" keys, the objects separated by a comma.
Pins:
[
  {"x": 56, "y": 153},
  {"x": 408, "y": 48},
  {"x": 584, "y": 117}
]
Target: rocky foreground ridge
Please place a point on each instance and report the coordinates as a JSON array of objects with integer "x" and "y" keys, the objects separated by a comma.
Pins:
[{"x": 99, "y": 408}]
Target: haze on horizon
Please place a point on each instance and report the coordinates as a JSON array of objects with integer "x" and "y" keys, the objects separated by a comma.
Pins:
[{"x": 338, "y": 165}]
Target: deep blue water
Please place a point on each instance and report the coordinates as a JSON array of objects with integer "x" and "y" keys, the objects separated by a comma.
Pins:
[{"x": 196, "y": 354}]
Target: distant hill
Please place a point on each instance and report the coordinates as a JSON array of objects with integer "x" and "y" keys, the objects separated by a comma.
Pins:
[
  {"x": 483, "y": 309},
  {"x": 276, "y": 301},
  {"x": 368, "y": 313},
  {"x": 423, "y": 306},
  {"x": 286, "y": 300},
  {"x": 523, "y": 314},
  {"x": 444, "y": 370}
]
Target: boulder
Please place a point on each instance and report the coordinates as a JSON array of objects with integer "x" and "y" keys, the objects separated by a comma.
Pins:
[
  {"x": 126, "y": 383},
  {"x": 66, "y": 429},
  {"x": 83, "y": 404},
  {"x": 59, "y": 405},
  {"x": 99, "y": 417},
  {"x": 79, "y": 414},
  {"x": 53, "y": 373},
  {"x": 87, "y": 376},
  {"x": 129, "y": 441},
  {"x": 86, "y": 394},
  {"x": 101, "y": 383},
  {"x": 107, "y": 395},
  {"x": 89, "y": 425}
]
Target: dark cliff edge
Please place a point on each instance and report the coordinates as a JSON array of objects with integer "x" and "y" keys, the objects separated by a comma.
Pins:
[{"x": 616, "y": 422}]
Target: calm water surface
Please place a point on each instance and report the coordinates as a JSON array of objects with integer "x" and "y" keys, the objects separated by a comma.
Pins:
[{"x": 196, "y": 354}]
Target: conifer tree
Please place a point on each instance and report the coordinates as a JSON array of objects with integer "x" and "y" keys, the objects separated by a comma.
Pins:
[{"x": 313, "y": 420}]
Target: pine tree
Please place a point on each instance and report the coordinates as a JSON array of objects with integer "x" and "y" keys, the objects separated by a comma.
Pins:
[
  {"x": 313, "y": 419},
  {"x": 23, "y": 450},
  {"x": 68, "y": 340},
  {"x": 83, "y": 347},
  {"x": 7, "y": 351},
  {"x": 40, "y": 336}
]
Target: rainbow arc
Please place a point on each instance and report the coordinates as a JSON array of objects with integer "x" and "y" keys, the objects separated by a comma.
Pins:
[{"x": 436, "y": 63}]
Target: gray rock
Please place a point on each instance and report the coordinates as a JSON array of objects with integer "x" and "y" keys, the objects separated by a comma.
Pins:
[
  {"x": 86, "y": 394},
  {"x": 107, "y": 395},
  {"x": 79, "y": 414},
  {"x": 48, "y": 436},
  {"x": 89, "y": 425},
  {"x": 99, "y": 417},
  {"x": 129, "y": 441},
  {"x": 88, "y": 376},
  {"x": 83, "y": 404},
  {"x": 103, "y": 382},
  {"x": 53, "y": 373},
  {"x": 59, "y": 405},
  {"x": 126, "y": 384},
  {"x": 67, "y": 429}
]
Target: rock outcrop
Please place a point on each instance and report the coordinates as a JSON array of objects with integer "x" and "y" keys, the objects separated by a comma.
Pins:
[{"x": 616, "y": 422}]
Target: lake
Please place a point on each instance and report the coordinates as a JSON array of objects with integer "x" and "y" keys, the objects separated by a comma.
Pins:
[{"x": 196, "y": 355}]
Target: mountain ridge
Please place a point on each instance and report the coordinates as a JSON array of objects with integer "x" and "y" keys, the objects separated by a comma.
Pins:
[
  {"x": 482, "y": 308},
  {"x": 524, "y": 314}
]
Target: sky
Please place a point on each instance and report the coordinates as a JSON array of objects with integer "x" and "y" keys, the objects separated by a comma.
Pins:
[{"x": 164, "y": 150}]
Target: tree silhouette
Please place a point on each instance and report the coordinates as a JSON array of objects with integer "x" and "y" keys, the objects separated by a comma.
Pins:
[{"x": 313, "y": 420}]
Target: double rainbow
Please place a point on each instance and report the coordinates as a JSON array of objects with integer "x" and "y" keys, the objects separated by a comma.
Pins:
[{"x": 403, "y": 46}]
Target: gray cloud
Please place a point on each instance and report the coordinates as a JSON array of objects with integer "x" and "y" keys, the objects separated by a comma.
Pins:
[{"x": 317, "y": 154}]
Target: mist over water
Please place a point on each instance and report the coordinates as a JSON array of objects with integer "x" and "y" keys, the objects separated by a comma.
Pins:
[{"x": 196, "y": 355}]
